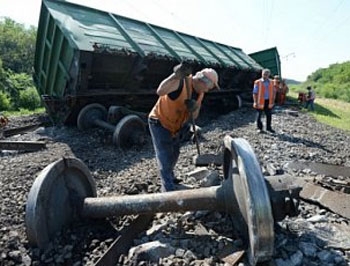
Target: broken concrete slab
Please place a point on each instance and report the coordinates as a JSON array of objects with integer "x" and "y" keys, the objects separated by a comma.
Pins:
[{"x": 335, "y": 201}]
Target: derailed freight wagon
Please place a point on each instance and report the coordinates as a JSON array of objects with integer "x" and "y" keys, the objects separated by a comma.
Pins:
[
  {"x": 85, "y": 56},
  {"x": 270, "y": 59}
]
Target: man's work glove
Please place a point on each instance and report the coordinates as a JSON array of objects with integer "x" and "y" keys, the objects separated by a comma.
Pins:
[
  {"x": 182, "y": 70},
  {"x": 191, "y": 105}
]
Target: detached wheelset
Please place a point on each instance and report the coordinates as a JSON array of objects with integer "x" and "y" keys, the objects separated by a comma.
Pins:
[
  {"x": 65, "y": 192},
  {"x": 129, "y": 129}
]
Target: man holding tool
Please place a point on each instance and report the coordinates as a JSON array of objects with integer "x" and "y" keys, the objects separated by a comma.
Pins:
[{"x": 179, "y": 102}]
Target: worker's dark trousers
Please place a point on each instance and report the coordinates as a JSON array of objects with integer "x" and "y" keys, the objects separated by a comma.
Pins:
[
  {"x": 268, "y": 115},
  {"x": 311, "y": 104},
  {"x": 167, "y": 149}
]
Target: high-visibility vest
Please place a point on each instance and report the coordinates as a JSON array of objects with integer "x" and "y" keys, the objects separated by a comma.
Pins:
[
  {"x": 261, "y": 94},
  {"x": 276, "y": 84},
  {"x": 172, "y": 114},
  {"x": 284, "y": 88}
]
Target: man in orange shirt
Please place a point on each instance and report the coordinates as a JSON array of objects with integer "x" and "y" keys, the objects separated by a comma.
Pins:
[
  {"x": 264, "y": 98},
  {"x": 284, "y": 92},
  {"x": 278, "y": 88},
  {"x": 180, "y": 97}
]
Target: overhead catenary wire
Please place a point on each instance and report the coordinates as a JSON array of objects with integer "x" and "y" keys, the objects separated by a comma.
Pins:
[
  {"x": 329, "y": 33},
  {"x": 331, "y": 15},
  {"x": 266, "y": 18}
]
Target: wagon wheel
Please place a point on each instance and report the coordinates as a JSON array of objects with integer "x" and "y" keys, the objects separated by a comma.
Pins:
[
  {"x": 253, "y": 219},
  {"x": 56, "y": 198},
  {"x": 129, "y": 131},
  {"x": 115, "y": 114},
  {"x": 89, "y": 114}
]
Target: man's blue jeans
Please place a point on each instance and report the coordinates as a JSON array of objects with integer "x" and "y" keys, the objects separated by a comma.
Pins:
[
  {"x": 167, "y": 149},
  {"x": 311, "y": 103}
]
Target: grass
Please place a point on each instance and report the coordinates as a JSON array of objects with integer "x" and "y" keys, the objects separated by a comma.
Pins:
[
  {"x": 328, "y": 111},
  {"x": 23, "y": 112},
  {"x": 331, "y": 112}
]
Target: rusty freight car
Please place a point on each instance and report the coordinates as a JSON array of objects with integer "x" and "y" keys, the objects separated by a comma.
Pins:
[{"x": 86, "y": 56}]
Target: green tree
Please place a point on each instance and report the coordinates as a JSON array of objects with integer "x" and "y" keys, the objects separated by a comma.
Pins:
[
  {"x": 29, "y": 99},
  {"x": 3, "y": 75},
  {"x": 5, "y": 101},
  {"x": 16, "y": 83},
  {"x": 17, "y": 46},
  {"x": 11, "y": 86},
  {"x": 332, "y": 82}
]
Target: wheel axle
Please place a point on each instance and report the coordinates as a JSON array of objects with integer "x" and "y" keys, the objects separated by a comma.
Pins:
[
  {"x": 65, "y": 191},
  {"x": 130, "y": 129}
]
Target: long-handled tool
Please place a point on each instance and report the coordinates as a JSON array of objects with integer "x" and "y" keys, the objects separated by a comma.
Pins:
[
  {"x": 195, "y": 135},
  {"x": 201, "y": 159},
  {"x": 183, "y": 71}
]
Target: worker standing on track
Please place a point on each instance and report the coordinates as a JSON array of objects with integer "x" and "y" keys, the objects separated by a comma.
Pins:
[
  {"x": 283, "y": 93},
  {"x": 264, "y": 98},
  {"x": 278, "y": 88},
  {"x": 310, "y": 98},
  {"x": 180, "y": 96}
]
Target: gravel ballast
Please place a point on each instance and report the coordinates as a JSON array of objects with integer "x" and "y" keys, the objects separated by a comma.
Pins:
[{"x": 316, "y": 236}]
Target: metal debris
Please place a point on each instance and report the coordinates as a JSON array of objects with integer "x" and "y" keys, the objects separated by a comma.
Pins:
[{"x": 22, "y": 145}]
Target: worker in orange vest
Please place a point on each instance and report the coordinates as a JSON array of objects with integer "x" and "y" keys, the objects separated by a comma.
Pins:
[
  {"x": 180, "y": 97},
  {"x": 283, "y": 92},
  {"x": 264, "y": 97},
  {"x": 278, "y": 88}
]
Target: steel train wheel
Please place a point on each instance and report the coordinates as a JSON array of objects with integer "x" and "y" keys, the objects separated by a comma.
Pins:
[
  {"x": 254, "y": 218},
  {"x": 130, "y": 130},
  {"x": 56, "y": 198},
  {"x": 89, "y": 114},
  {"x": 115, "y": 114}
]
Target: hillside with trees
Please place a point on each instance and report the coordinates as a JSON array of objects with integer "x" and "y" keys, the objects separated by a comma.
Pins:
[
  {"x": 292, "y": 82},
  {"x": 332, "y": 82},
  {"x": 17, "y": 49}
]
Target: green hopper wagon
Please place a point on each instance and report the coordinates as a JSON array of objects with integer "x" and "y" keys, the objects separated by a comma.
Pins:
[
  {"x": 270, "y": 59},
  {"x": 86, "y": 56}
]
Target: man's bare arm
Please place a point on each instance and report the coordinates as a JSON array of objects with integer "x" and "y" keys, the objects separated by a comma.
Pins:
[{"x": 168, "y": 85}]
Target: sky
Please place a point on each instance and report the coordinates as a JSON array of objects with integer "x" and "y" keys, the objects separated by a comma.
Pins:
[{"x": 308, "y": 34}]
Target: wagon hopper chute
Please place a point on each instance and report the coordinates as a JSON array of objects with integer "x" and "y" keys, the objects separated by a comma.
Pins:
[
  {"x": 270, "y": 59},
  {"x": 85, "y": 56}
]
